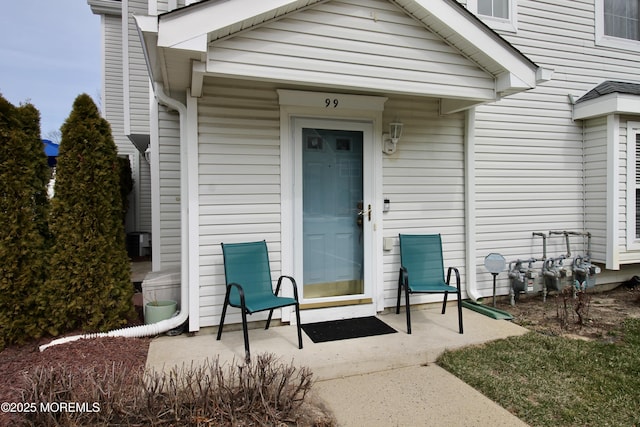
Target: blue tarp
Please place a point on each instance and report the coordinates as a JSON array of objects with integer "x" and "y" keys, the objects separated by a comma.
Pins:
[{"x": 50, "y": 148}]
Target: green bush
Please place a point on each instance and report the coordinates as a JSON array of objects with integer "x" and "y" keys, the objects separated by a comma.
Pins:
[
  {"x": 23, "y": 226},
  {"x": 89, "y": 284}
]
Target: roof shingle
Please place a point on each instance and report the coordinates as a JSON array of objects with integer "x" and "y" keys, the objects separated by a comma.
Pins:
[{"x": 611, "y": 86}]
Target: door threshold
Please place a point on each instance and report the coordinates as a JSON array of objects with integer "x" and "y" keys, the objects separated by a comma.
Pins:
[
  {"x": 328, "y": 304},
  {"x": 357, "y": 308}
]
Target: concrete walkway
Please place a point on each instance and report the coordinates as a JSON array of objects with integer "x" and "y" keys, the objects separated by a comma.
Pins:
[{"x": 386, "y": 380}]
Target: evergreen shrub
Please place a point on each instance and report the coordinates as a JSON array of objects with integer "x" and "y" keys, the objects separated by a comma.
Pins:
[
  {"x": 23, "y": 222},
  {"x": 89, "y": 284}
]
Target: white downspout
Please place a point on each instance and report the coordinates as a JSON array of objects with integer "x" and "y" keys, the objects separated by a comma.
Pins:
[
  {"x": 470, "y": 203},
  {"x": 182, "y": 316}
]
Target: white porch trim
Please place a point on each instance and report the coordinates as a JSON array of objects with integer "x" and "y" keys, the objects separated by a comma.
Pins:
[
  {"x": 612, "y": 103},
  {"x": 192, "y": 28},
  {"x": 193, "y": 212},
  {"x": 297, "y": 104},
  {"x": 613, "y": 192}
]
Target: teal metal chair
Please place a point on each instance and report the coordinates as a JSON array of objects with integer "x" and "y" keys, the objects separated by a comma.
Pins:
[
  {"x": 422, "y": 272},
  {"x": 249, "y": 288}
]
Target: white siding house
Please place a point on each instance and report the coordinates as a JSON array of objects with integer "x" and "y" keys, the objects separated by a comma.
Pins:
[
  {"x": 126, "y": 99},
  {"x": 515, "y": 120}
]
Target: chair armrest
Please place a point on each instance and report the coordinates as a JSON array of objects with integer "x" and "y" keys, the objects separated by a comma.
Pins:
[
  {"x": 240, "y": 292},
  {"x": 293, "y": 284},
  {"x": 455, "y": 270},
  {"x": 404, "y": 275}
]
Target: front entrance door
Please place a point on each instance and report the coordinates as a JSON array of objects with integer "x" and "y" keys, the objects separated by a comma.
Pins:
[
  {"x": 332, "y": 204},
  {"x": 334, "y": 208}
]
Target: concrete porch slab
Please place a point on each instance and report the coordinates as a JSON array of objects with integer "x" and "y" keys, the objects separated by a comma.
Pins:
[
  {"x": 374, "y": 381},
  {"x": 432, "y": 334}
]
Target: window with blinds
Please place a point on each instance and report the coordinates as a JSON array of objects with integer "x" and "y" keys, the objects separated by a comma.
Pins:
[
  {"x": 500, "y": 15},
  {"x": 622, "y": 19},
  {"x": 495, "y": 8}
]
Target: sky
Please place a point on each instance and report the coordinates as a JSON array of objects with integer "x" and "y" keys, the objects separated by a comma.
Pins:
[{"x": 50, "y": 52}]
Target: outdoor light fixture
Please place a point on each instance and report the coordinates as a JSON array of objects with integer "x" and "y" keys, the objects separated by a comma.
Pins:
[{"x": 390, "y": 140}]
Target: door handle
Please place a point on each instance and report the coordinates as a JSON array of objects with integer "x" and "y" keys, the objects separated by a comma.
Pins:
[{"x": 367, "y": 212}]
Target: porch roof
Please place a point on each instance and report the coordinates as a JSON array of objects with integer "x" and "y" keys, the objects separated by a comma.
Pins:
[
  {"x": 176, "y": 43},
  {"x": 609, "y": 97}
]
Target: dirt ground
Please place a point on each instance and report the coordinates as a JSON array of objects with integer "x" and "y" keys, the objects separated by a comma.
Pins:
[{"x": 591, "y": 316}]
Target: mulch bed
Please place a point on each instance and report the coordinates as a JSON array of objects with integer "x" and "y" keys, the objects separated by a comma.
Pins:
[{"x": 97, "y": 353}]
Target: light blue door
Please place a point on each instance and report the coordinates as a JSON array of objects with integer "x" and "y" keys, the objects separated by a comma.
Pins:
[{"x": 332, "y": 205}]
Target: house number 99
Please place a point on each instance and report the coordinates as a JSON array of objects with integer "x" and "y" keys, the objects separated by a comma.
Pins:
[{"x": 328, "y": 102}]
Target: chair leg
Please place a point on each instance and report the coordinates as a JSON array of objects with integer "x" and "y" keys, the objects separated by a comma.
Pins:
[
  {"x": 269, "y": 319},
  {"x": 224, "y": 312},
  {"x": 460, "y": 311},
  {"x": 299, "y": 326},
  {"x": 399, "y": 292},
  {"x": 247, "y": 354},
  {"x": 408, "y": 310},
  {"x": 444, "y": 303}
]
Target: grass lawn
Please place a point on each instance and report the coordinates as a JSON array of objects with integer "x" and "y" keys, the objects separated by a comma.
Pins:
[{"x": 555, "y": 381}]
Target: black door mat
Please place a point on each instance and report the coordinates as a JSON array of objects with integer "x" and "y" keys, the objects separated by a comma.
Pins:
[{"x": 346, "y": 329}]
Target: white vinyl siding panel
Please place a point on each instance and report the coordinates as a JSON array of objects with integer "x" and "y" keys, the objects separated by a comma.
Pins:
[
  {"x": 239, "y": 181},
  {"x": 113, "y": 110},
  {"x": 169, "y": 158},
  {"x": 530, "y": 171},
  {"x": 622, "y": 187},
  {"x": 169, "y": 5},
  {"x": 144, "y": 204},
  {"x": 112, "y": 97},
  {"x": 352, "y": 44},
  {"x": 529, "y": 152},
  {"x": 138, "y": 80},
  {"x": 424, "y": 181},
  {"x": 162, "y": 6},
  {"x": 529, "y": 175}
]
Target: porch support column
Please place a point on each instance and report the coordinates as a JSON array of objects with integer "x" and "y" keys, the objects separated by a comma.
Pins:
[
  {"x": 193, "y": 201},
  {"x": 613, "y": 192},
  {"x": 470, "y": 204}
]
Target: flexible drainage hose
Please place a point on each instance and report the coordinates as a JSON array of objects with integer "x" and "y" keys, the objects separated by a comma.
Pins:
[{"x": 131, "y": 332}]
